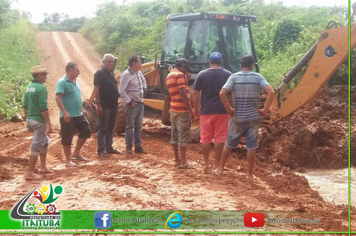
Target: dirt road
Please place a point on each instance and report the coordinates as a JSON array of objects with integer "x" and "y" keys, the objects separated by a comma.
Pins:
[{"x": 149, "y": 182}]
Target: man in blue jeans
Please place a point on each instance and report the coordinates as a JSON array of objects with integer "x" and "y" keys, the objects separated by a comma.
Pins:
[
  {"x": 132, "y": 86},
  {"x": 246, "y": 86},
  {"x": 106, "y": 95},
  {"x": 38, "y": 122}
]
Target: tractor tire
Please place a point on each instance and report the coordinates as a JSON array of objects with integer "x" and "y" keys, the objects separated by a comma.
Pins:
[
  {"x": 90, "y": 115},
  {"x": 194, "y": 135},
  {"x": 120, "y": 122},
  {"x": 195, "y": 132}
]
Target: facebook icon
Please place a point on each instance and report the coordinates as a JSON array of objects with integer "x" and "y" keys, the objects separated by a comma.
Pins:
[{"x": 102, "y": 219}]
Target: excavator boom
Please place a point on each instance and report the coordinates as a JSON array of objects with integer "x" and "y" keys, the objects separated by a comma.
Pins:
[{"x": 330, "y": 52}]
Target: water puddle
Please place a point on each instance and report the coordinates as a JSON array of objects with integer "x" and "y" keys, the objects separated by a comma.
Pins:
[{"x": 332, "y": 185}]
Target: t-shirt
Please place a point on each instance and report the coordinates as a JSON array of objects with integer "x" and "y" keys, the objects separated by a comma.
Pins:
[
  {"x": 210, "y": 82},
  {"x": 108, "y": 91},
  {"x": 246, "y": 87},
  {"x": 71, "y": 98},
  {"x": 36, "y": 101},
  {"x": 175, "y": 80}
]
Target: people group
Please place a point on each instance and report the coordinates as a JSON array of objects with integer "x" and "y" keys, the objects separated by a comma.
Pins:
[{"x": 223, "y": 121}]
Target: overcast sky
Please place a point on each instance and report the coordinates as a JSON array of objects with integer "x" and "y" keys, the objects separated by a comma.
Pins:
[{"x": 78, "y": 8}]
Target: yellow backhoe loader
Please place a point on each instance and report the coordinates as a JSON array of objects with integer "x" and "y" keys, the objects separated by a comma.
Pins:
[{"x": 195, "y": 36}]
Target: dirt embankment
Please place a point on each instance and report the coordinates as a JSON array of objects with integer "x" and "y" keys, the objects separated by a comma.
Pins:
[
  {"x": 150, "y": 182},
  {"x": 315, "y": 136}
]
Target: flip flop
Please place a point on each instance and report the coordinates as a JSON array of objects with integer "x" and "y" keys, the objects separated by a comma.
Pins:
[
  {"x": 33, "y": 177},
  {"x": 215, "y": 172},
  {"x": 80, "y": 158},
  {"x": 45, "y": 172},
  {"x": 187, "y": 166},
  {"x": 71, "y": 164}
]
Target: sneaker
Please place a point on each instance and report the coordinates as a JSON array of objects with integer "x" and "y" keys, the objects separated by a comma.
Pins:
[
  {"x": 114, "y": 151},
  {"x": 129, "y": 150},
  {"x": 140, "y": 150},
  {"x": 103, "y": 154}
]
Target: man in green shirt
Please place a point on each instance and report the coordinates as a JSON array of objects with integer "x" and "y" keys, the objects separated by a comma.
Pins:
[{"x": 38, "y": 122}]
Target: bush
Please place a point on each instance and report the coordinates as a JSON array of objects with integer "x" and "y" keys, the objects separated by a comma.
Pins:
[{"x": 18, "y": 55}]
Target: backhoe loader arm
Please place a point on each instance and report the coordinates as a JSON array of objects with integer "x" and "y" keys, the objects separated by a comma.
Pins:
[{"x": 330, "y": 52}]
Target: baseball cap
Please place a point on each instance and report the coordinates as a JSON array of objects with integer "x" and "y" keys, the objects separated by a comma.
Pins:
[
  {"x": 40, "y": 69},
  {"x": 215, "y": 57},
  {"x": 247, "y": 60},
  {"x": 182, "y": 62}
]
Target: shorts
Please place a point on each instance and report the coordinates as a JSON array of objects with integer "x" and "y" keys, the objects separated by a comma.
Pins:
[
  {"x": 40, "y": 139},
  {"x": 79, "y": 124},
  {"x": 214, "y": 126},
  {"x": 180, "y": 128},
  {"x": 247, "y": 129}
]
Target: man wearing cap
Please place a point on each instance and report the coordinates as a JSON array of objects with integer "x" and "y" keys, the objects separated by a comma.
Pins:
[
  {"x": 132, "y": 86},
  {"x": 69, "y": 101},
  {"x": 38, "y": 121},
  {"x": 213, "y": 116},
  {"x": 106, "y": 95},
  {"x": 245, "y": 117},
  {"x": 180, "y": 110}
]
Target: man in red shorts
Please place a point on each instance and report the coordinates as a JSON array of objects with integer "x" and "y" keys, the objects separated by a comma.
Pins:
[{"x": 213, "y": 116}]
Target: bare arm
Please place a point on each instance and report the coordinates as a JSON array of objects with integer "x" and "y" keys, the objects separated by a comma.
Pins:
[
  {"x": 59, "y": 102},
  {"x": 45, "y": 115},
  {"x": 25, "y": 111},
  {"x": 185, "y": 100},
  {"x": 196, "y": 102},
  {"x": 225, "y": 102},
  {"x": 270, "y": 93},
  {"x": 99, "y": 108}
]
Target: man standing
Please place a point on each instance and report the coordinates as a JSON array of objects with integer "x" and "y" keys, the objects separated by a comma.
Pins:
[
  {"x": 246, "y": 86},
  {"x": 69, "y": 101},
  {"x": 213, "y": 119},
  {"x": 132, "y": 86},
  {"x": 106, "y": 95},
  {"x": 38, "y": 122},
  {"x": 180, "y": 110}
]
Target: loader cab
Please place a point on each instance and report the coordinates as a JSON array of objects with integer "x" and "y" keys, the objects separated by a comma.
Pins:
[{"x": 196, "y": 36}]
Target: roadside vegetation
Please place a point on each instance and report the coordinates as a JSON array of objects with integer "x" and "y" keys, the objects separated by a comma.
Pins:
[
  {"x": 18, "y": 54},
  {"x": 282, "y": 35}
]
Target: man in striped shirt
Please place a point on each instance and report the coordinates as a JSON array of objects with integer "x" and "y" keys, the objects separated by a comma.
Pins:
[
  {"x": 246, "y": 86},
  {"x": 180, "y": 110}
]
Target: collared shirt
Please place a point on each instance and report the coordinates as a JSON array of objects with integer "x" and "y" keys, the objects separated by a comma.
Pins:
[
  {"x": 71, "y": 97},
  {"x": 35, "y": 101},
  {"x": 175, "y": 80},
  {"x": 246, "y": 87},
  {"x": 108, "y": 91},
  {"x": 132, "y": 86}
]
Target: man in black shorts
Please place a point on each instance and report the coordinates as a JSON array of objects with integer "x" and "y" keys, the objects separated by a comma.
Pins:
[{"x": 69, "y": 101}]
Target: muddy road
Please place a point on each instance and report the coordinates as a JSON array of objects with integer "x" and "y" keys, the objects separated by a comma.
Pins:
[{"x": 148, "y": 182}]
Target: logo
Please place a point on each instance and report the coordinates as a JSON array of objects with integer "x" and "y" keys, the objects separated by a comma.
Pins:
[
  {"x": 102, "y": 219},
  {"x": 254, "y": 219},
  {"x": 44, "y": 215},
  {"x": 174, "y": 220}
]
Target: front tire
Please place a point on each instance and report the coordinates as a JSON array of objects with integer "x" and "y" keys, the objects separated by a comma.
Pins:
[{"x": 120, "y": 122}]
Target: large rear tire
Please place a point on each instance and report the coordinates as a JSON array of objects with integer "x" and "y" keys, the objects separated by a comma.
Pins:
[
  {"x": 195, "y": 132},
  {"x": 90, "y": 115},
  {"x": 120, "y": 122}
]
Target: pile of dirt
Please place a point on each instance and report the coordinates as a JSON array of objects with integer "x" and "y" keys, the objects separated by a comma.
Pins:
[
  {"x": 4, "y": 174},
  {"x": 315, "y": 136}
]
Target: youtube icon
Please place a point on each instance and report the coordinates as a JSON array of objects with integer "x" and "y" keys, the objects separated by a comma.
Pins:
[{"x": 254, "y": 219}]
